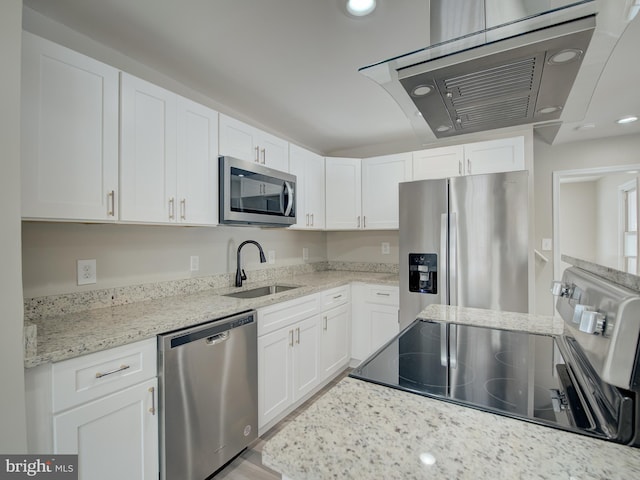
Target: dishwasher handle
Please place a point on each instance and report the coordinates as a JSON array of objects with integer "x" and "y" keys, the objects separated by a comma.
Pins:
[
  {"x": 217, "y": 338},
  {"x": 214, "y": 332}
]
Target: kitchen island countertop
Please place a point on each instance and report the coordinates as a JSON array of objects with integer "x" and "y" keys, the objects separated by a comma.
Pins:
[
  {"x": 61, "y": 337},
  {"x": 362, "y": 430}
]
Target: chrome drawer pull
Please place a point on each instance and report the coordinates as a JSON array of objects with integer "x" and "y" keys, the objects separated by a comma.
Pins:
[
  {"x": 337, "y": 297},
  {"x": 383, "y": 294},
  {"x": 122, "y": 367},
  {"x": 152, "y": 410}
]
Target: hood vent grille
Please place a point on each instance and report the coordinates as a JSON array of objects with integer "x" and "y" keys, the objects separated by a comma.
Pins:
[{"x": 484, "y": 97}]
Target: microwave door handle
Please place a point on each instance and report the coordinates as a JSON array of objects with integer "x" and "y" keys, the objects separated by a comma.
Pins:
[{"x": 289, "y": 189}]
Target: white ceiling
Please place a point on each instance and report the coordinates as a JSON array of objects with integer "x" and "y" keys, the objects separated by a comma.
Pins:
[{"x": 292, "y": 65}]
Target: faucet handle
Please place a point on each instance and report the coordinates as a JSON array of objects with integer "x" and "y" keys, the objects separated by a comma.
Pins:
[{"x": 243, "y": 275}]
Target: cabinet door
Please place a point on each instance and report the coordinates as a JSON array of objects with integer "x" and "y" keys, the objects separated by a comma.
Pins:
[
  {"x": 343, "y": 194},
  {"x": 438, "y": 163},
  {"x": 380, "y": 179},
  {"x": 197, "y": 146},
  {"x": 504, "y": 155},
  {"x": 115, "y": 436},
  {"x": 336, "y": 341},
  {"x": 384, "y": 324},
  {"x": 69, "y": 134},
  {"x": 148, "y": 152},
  {"x": 273, "y": 151},
  {"x": 238, "y": 140},
  {"x": 275, "y": 374},
  {"x": 308, "y": 168},
  {"x": 307, "y": 356}
]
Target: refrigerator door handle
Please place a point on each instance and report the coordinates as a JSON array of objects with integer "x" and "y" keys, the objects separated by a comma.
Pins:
[
  {"x": 444, "y": 358},
  {"x": 442, "y": 259},
  {"x": 453, "y": 259},
  {"x": 453, "y": 345}
]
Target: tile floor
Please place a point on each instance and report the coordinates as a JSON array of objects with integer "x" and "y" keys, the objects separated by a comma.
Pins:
[{"x": 248, "y": 466}]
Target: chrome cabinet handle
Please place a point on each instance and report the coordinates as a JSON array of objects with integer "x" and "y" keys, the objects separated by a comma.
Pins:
[
  {"x": 307, "y": 219},
  {"x": 298, "y": 332},
  {"x": 469, "y": 166},
  {"x": 111, "y": 198},
  {"x": 172, "y": 208},
  {"x": 152, "y": 391},
  {"x": 312, "y": 222},
  {"x": 257, "y": 159},
  {"x": 183, "y": 209},
  {"x": 111, "y": 372},
  {"x": 358, "y": 221},
  {"x": 264, "y": 155},
  {"x": 460, "y": 167},
  {"x": 364, "y": 221},
  {"x": 383, "y": 294},
  {"x": 291, "y": 339},
  {"x": 325, "y": 323},
  {"x": 337, "y": 297}
]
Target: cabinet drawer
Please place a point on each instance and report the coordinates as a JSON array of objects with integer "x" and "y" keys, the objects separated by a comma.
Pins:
[
  {"x": 335, "y": 296},
  {"x": 85, "y": 378},
  {"x": 382, "y": 294},
  {"x": 283, "y": 314}
]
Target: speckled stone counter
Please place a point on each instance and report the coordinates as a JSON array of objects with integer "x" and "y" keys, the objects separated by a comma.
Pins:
[
  {"x": 616, "y": 276},
  {"x": 359, "y": 430},
  {"x": 60, "y": 337}
]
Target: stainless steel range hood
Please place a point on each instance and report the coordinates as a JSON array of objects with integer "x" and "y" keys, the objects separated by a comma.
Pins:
[{"x": 513, "y": 73}]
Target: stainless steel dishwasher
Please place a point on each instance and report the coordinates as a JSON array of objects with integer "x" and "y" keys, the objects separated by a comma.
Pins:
[{"x": 208, "y": 401}]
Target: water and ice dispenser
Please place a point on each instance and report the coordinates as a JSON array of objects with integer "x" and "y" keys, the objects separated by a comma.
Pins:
[{"x": 423, "y": 272}]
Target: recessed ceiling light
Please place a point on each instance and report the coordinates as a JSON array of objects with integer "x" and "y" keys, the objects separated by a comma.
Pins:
[
  {"x": 546, "y": 110},
  {"x": 421, "y": 90},
  {"x": 443, "y": 128},
  {"x": 565, "y": 56},
  {"x": 586, "y": 126},
  {"x": 627, "y": 119},
  {"x": 360, "y": 8}
]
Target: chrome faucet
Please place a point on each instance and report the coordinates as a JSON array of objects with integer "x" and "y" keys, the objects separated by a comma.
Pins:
[{"x": 240, "y": 275}]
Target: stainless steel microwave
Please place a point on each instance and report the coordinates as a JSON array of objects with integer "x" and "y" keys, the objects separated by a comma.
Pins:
[{"x": 252, "y": 194}]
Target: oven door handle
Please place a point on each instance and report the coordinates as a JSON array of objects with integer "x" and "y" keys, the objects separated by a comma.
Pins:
[{"x": 286, "y": 187}]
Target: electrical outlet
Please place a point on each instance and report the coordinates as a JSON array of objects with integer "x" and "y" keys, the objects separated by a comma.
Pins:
[
  {"x": 195, "y": 263},
  {"x": 86, "y": 272},
  {"x": 385, "y": 248},
  {"x": 305, "y": 253},
  {"x": 271, "y": 254},
  {"x": 546, "y": 245}
]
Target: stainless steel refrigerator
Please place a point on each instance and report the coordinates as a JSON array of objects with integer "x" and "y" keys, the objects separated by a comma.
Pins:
[{"x": 464, "y": 241}]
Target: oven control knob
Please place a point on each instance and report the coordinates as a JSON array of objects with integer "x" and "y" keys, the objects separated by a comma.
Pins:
[
  {"x": 559, "y": 289},
  {"x": 593, "y": 322}
]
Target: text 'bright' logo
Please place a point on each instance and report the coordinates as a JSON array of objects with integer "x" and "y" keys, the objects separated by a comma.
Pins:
[
  {"x": 30, "y": 468},
  {"x": 60, "y": 467}
]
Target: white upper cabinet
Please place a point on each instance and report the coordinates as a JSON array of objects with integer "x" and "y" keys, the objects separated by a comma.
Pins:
[
  {"x": 308, "y": 168},
  {"x": 148, "y": 152},
  {"x": 197, "y": 163},
  {"x": 380, "y": 179},
  {"x": 492, "y": 156},
  {"x": 69, "y": 134},
  {"x": 343, "y": 193},
  {"x": 440, "y": 162},
  {"x": 168, "y": 162},
  {"x": 239, "y": 140}
]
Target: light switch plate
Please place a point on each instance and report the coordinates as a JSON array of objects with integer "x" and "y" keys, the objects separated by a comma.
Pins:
[
  {"x": 385, "y": 248},
  {"x": 547, "y": 244},
  {"x": 305, "y": 253},
  {"x": 195, "y": 263},
  {"x": 271, "y": 255}
]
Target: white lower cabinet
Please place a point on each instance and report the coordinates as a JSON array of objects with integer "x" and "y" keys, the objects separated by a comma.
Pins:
[
  {"x": 288, "y": 367},
  {"x": 310, "y": 345},
  {"x": 115, "y": 436},
  {"x": 102, "y": 406},
  {"x": 375, "y": 318}
]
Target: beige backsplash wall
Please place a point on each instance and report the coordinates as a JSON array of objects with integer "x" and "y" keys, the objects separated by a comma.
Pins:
[
  {"x": 362, "y": 246},
  {"x": 135, "y": 254}
]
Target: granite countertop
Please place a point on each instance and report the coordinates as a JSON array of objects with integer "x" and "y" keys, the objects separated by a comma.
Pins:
[
  {"x": 60, "y": 337},
  {"x": 362, "y": 430}
]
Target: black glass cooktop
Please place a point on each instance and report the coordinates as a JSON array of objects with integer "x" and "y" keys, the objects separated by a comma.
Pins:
[{"x": 507, "y": 372}]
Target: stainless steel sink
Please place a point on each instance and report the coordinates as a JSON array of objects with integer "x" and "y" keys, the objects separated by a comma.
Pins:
[{"x": 261, "y": 291}]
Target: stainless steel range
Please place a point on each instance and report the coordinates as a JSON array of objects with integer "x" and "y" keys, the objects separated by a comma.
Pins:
[{"x": 585, "y": 381}]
